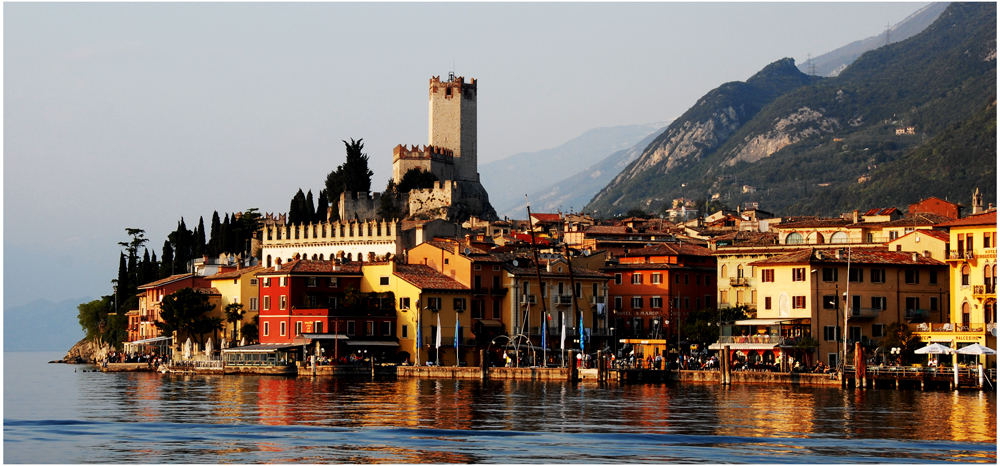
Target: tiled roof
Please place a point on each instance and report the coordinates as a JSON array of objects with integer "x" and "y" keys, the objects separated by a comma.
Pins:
[
  {"x": 305, "y": 266},
  {"x": 938, "y": 234},
  {"x": 749, "y": 238},
  {"x": 426, "y": 278},
  {"x": 208, "y": 291},
  {"x": 814, "y": 223},
  {"x": 919, "y": 219},
  {"x": 527, "y": 268},
  {"x": 164, "y": 281},
  {"x": 857, "y": 256},
  {"x": 551, "y": 218},
  {"x": 671, "y": 249},
  {"x": 606, "y": 230},
  {"x": 986, "y": 218},
  {"x": 235, "y": 273}
]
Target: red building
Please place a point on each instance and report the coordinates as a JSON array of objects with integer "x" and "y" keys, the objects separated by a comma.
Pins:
[
  {"x": 142, "y": 321},
  {"x": 933, "y": 205},
  {"x": 307, "y": 296},
  {"x": 656, "y": 287}
]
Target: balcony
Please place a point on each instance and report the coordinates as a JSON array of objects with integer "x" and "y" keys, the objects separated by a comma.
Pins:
[
  {"x": 527, "y": 299},
  {"x": 963, "y": 255},
  {"x": 984, "y": 291},
  {"x": 915, "y": 314},
  {"x": 865, "y": 313},
  {"x": 754, "y": 339},
  {"x": 951, "y": 327},
  {"x": 498, "y": 291},
  {"x": 739, "y": 281},
  {"x": 562, "y": 300},
  {"x": 480, "y": 291},
  {"x": 597, "y": 300}
]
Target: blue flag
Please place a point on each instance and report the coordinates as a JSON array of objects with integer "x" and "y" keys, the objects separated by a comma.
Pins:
[
  {"x": 456, "y": 333},
  {"x": 581, "y": 332},
  {"x": 544, "y": 324},
  {"x": 418, "y": 336}
]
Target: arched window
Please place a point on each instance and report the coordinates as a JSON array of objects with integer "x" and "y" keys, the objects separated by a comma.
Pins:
[
  {"x": 314, "y": 256},
  {"x": 739, "y": 271},
  {"x": 838, "y": 237},
  {"x": 725, "y": 271},
  {"x": 320, "y": 257},
  {"x": 268, "y": 260},
  {"x": 966, "y": 270},
  {"x": 966, "y": 314},
  {"x": 793, "y": 238},
  {"x": 819, "y": 238}
]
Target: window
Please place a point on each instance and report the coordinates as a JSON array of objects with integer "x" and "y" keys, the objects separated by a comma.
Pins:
[
  {"x": 829, "y": 301},
  {"x": 318, "y": 327},
  {"x": 986, "y": 240},
  {"x": 723, "y": 271},
  {"x": 798, "y": 302},
  {"x": 253, "y": 282},
  {"x": 267, "y": 328},
  {"x": 911, "y": 277},
  {"x": 912, "y": 304},
  {"x": 459, "y": 304},
  {"x": 298, "y": 328},
  {"x": 350, "y": 328},
  {"x": 686, "y": 277},
  {"x": 312, "y": 300},
  {"x": 829, "y": 274},
  {"x": 655, "y": 278},
  {"x": 767, "y": 275},
  {"x": 831, "y": 333},
  {"x": 496, "y": 282},
  {"x": 767, "y": 302},
  {"x": 724, "y": 297},
  {"x": 253, "y": 304},
  {"x": 496, "y": 268},
  {"x": 893, "y": 235},
  {"x": 618, "y": 279},
  {"x": 934, "y": 303},
  {"x": 878, "y": 302},
  {"x": 854, "y": 333},
  {"x": 386, "y": 328},
  {"x": 331, "y": 302},
  {"x": 311, "y": 281},
  {"x": 404, "y": 330},
  {"x": 838, "y": 237},
  {"x": 687, "y": 302},
  {"x": 478, "y": 310},
  {"x": 656, "y": 302},
  {"x": 856, "y": 275},
  {"x": 966, "y": 270},
  {"x": 434, "y": 303},
  {"x": 799, "y": 274},
  {"x": 267, "y": 303},
  {"x": 877, "y": 275},
  {"x": 618, "y": 302},
  {"x": 637, "y": 302},
  {"x": 637, "y": 278},
  {"x": 284, "y": 302},
  {"x": 333, "y": 282},
  {"x": 404, "y": 303},
  {"x": 383, "y": 281},
  {"x": 496, "y": 309},
  {"x": 267, "y": 282},
  {"x": 579, "y": 290},
  {"x": 282, "y": 332},
  {"x": 793, "y": 238},
  {"x": 369, "y": 328},
  {"x": 284, "y": 281},
  {"x": 932, "y": 274},
  {"x": 477, "y": 267}
]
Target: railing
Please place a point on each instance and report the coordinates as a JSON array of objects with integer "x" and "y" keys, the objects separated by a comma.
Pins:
[
  {"x": 527, "y": 299},
  {"x": 597, "y": 300},
  {"x": 962, "y": 255},
  {"x": 480, "y": 291},
  {"x": 739, "y": 281},
  {"x": 498, "y": 291},
  {"x": 766, "y": 339},
  {"x": 983, "y": 290},
  {"x": 950, "y": 327},
  {"x": 915, "y": 314},
  {"x": 562, "y": 300},
  {"x": 866, "y": 312}
]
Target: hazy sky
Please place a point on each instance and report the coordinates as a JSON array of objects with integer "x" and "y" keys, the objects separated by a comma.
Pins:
[{"x": 132, "y": 115}]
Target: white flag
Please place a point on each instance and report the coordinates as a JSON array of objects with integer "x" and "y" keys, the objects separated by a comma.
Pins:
[
  {"x": 562, "y": 335},
  {"x": 437, "y": 338}
]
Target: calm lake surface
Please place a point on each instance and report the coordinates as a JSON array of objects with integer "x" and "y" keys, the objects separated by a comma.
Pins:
[{"x": 57, "y": 413}]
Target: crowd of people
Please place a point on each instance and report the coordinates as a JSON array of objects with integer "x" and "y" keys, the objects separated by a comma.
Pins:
[{"x": 150, "y": 358}]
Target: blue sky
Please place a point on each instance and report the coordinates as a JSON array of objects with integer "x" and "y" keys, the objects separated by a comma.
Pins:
[{"x": 133, "y": 115}]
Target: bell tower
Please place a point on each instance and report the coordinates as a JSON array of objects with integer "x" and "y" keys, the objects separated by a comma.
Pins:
[{"x": 452, "y": 122}]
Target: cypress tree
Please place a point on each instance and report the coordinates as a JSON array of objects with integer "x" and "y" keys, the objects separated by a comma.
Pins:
[
  {"x": 144, "y": 269},
  {"x": 224, "y": 235},
  {"x": 199, "y": 238},
  {"x": 133, "y": 273},
  {"x": 322, "y": 205},
  {"x": 213, "y": 241},
  {"x": 167, "y": 263},
  {"x": 122, "y": 282},
  {"x": 297, "y": 208},
  {"x": 310, "y": 214}
]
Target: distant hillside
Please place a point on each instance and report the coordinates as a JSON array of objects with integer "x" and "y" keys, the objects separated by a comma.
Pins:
[
  {"x": 509, "y": 179},
  {"x": 823, "y": 148},
  {"x": 575, "y": 191},
  {"x": 42, "y": 325},
  {"x": 832, "y": 63}
]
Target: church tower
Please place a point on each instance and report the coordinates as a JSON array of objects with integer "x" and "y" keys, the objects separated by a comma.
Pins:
[{"x": 452, "y": 122}]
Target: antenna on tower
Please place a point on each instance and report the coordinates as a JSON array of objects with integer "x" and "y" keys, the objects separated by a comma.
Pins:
[{"x": 451, "y": 74}]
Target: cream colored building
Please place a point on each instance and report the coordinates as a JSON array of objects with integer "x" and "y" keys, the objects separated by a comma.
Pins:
[{"x": 238, "y": 287}]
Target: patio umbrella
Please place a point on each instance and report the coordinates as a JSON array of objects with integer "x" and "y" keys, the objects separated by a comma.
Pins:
[
  {"x": 187, "y": 348},
  {"x": 208, "y": 347},
  {"x": 933, "y": 348},
  {"x": 976, "y": 348}
]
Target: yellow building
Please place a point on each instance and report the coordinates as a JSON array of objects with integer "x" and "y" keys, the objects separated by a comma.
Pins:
[
  {"x": 237, "y": 287},
  {"x": 427, "y": 302},
  {"x": 972, "y": 271},
  {"x": 930, "y": 243},
  {"x": 805, "y": 293}
]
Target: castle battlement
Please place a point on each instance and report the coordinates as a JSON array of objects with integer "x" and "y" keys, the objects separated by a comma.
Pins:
[
  {"x": 436, "y": 153},
  {"x": 453, "y": 86}
]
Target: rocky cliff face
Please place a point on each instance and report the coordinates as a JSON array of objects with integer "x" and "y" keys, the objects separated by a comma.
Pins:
[
  {"x": 86, "y": 351},
  {"x": 802, "y": 124}
]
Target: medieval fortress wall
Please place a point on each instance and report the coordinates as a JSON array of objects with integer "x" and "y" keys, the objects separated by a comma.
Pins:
[{"x": 452, "y": 122}]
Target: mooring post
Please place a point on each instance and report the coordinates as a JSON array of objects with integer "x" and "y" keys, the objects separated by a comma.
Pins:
[
  {"x": 573, "y": 371},
  {"x": 726, "y": 365},
  {"x": 483, "y": 366}
]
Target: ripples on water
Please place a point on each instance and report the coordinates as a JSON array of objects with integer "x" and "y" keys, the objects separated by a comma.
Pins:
[{"x": 57, "y": 413}]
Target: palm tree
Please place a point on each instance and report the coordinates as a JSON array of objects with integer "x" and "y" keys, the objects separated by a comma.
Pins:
[{"x": 234, "y": 314}]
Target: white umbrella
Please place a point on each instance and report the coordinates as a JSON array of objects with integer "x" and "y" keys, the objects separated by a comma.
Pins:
[
  {"x": 243, "y": 341},
  {"x": 225, "y": 343},
  {"x": 208, "y": 347},
  {"x": 187, "y": 348},
  {"x": 976, "y": 348},
  {"x": 933, "y": 348}
]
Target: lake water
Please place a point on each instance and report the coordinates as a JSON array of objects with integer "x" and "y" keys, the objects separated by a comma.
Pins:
[{"x": 56, "y": 413}]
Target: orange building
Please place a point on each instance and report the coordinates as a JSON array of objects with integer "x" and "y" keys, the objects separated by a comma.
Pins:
[
  {"x": 654, "y": 288},
  {"x": 142, "y": 322}
]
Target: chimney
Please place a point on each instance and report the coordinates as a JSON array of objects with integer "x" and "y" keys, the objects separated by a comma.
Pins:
[
  {"x": 854, "y": 216},
  {"x": 548, "y": 266},
  {"x": 915, "y": 255},
  {"x": 839, "y": 254}
]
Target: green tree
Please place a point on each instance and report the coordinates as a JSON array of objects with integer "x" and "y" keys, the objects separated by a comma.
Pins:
[
  {"x": 416, "y": 178},
  {"x": 322, "y": 203},
  {"x": 167, "y": 261},
  {"x": 636, "y": 212},
  {"x": 702, "y": 326},
  {"x": 100, "y": 324},
  {"x": 199, "y": 238},
  {"x": 351, "y": 176},
  {"x": 297, "y": 208},
  {"x": 898, "y": 335},
  {"x": 388, "y": 203},
  {"x": 185, "y": 312},
  {"x": 310, "y": 213}
]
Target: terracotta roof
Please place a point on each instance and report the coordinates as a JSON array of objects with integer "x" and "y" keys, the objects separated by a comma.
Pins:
[
  {"x": 164, "y": 281},
  {"x": 857, "y": 256},
  {"x": 526, "y": 267},
  {"x": 209, "y": 291},
  {"x": 919, "y": 219},
  {"x": 670, "y": 249},
  {"x": 606, "y": 230},
  {"x": 551, "y": 218},
  {"x": 426, "y": 278},
  {"x": 305, "y": 266},
  {"x": 749, "y": 238},
  {"x": 741, "y": 250},
  {"x": 235, "y": 273},
  {"x": 986, "y": 218},
  {"x": 938, "y": 234},
  {"x": 814, "y": 223}
]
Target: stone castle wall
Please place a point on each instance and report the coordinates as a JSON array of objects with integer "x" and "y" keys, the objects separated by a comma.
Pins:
[
  {"x": 362, "y": 206},
  {"x": 452, "y": 122},
  {"x": 437, "y": 160}
]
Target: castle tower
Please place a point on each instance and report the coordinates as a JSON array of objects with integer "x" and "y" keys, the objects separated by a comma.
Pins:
[{"x": 452, "y": 122}]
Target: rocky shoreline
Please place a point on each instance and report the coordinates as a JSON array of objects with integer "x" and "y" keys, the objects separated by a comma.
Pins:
[{"x": 83, "y": 352}]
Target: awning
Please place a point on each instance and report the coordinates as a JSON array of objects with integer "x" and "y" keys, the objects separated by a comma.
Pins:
[
  {"x": 372, "y": 343},
  {"x": 489, "y": 323},
  {"x": 325, "y": 336},
  {"x": 261, "y": 348},
  {"x": 149, "y": 340},
  {"x": 743, "y": 346},
  {"x": 761, "y": 321}
]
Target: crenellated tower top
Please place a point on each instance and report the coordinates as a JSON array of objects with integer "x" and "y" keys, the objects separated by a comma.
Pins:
[
  {"x": 455, "y": 85},
  {"x": 452, "y": 122}
]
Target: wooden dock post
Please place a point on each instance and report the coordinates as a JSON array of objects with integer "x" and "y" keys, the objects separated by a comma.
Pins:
[
  {"x": 726, "y": 366},
  {"x": 483, "y": 366},
  {"x": 573, "y": 371}
]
